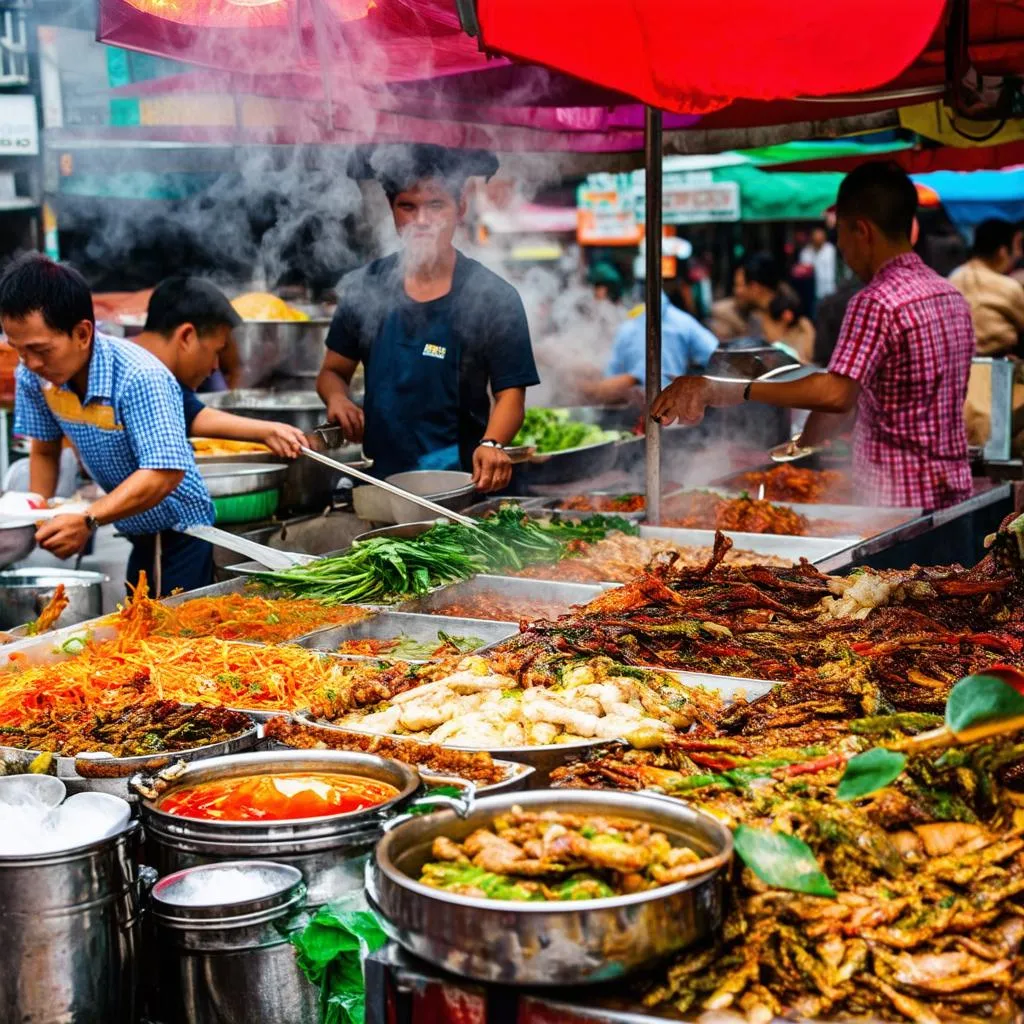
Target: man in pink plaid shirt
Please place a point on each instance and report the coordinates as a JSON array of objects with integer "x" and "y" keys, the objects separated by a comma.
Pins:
[{"x": 902, "y": 359}]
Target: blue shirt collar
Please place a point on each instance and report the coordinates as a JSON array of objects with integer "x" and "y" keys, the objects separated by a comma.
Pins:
[{"x": 101, "y": 369}]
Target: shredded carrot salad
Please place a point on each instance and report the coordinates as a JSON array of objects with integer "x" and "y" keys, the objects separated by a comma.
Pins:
[
  {"x": 204, "y": 670},
  {"x": 230, "y": 617}
]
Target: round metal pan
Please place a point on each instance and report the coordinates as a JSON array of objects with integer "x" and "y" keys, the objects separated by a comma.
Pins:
[{"x": 550, "y": 943}]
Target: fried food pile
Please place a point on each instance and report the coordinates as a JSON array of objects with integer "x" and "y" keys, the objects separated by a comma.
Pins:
[
  {"x": 801, "y": 486},
  {"x": 603, "y": 503},
  {"x": 477, "y": 766},
  {"x": 499, "y": 607},
  {"x": 547, "y": 855},
  {"x": 911, "y": 633},
  {"x": 618, "y": 558},
  {"x": 475, "y": 706},
  {"x": 705, "y": 510},
  {"x": 127, "y": 729},
  {"x": 928, "y": 919}
]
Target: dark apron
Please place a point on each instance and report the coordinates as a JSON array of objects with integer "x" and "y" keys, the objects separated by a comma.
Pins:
[{"x": 411, "y": 407}]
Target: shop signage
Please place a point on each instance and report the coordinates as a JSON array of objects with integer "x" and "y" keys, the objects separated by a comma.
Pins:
[{"x": 19, "y": 129}]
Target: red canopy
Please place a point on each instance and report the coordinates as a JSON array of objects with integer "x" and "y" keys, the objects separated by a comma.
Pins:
[{"x": 696, "y": 57}]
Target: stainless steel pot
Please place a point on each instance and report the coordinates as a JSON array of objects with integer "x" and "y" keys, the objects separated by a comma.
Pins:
[
  {"x": 16, "y": 543},
  {"x": 230, "y": 962},
  {"x": 267, "y": 347},
  {"x": 450, "y": 489},
  {"x": 330, "y": 851},
  {"x": 558, "y": 943},
  {"x": 309, "y": 485},
  {"x": 25, "y": 592},
  {"x": 69, "y": 931},
  {"x": 302, "y": 409}
]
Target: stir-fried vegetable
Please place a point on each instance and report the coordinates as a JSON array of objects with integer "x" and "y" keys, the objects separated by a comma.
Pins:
[
  {"x": 384, "y": 568},
  {"x": 551, "y": 430}
]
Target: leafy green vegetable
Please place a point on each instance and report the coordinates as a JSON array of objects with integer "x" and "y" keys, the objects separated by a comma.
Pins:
[
  {"x": 869, "y": 772},
  {"x": 330, "y": 951},
  {"x": 781, "y": 861},
  {"x": 551, "y": 430},
  {"x": 426, "y": 808},
  {"x": 384, "y": 568},
  {"x": 409, "y": 647},
  {"x": 459, "y": 877},
  {"x": 981, "y": 698}
]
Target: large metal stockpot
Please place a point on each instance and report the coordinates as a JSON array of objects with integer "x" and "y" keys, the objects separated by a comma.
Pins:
[
  {"x": 69, "y": 934},
  {"x": 556, "y": 943},
  {"x": 230, "y": 962},
  {"x": 25, "y": 592},
  {"x": 329, "y": 851}
]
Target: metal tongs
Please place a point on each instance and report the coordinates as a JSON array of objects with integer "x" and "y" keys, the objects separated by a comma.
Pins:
[
  {"x": 270, "y": 557},
  {"x": 416, "y": 499}
]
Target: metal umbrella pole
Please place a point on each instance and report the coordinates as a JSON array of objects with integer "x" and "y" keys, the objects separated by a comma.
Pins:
[{"x": 652, "y": 289}]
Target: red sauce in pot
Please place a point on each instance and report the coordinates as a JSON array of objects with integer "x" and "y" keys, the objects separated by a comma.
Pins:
[{"x": 277, "y": 797}]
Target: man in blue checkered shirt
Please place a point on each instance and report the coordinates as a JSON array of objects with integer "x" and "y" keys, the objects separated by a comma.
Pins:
[{"x": 121, "y": 409}]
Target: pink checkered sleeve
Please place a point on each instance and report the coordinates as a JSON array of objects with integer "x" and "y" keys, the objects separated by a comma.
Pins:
[{"x": 863, "y": 339}]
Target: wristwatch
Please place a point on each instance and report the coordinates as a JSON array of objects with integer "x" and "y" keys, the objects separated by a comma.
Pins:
[
  {"x": 489, "y": 442},
  {"x": 91, "y": 522}
]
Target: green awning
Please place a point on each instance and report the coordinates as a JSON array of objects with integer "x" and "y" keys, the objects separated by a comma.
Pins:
[{"x": 777, "y": 195}]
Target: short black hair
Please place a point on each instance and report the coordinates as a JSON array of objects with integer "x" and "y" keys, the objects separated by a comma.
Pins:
[
  {"x": 34, "y": 283},
  {"x": 763, "y": 268},
  {"x": 189, "y": 300},
  {"x": 398, "y": 168},
  {"x": 992, "y": 235},
  {"x": 785, "y": 301},
  {"x": 881, "y": 192}
]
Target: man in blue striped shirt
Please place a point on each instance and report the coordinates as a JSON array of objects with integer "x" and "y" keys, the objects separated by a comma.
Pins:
[{"x": 121, "y": 409}]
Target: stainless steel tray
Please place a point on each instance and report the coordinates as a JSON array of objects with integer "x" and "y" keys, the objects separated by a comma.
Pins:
[
  {"x": 512, "y": 586},
  {"x": 111, "y": 774},
  {"x": 543, "y": 760},
  {"x": 422, "y": 628},
  {"x": 484, "y": 508},
  {"x": 815, "y": 549}
]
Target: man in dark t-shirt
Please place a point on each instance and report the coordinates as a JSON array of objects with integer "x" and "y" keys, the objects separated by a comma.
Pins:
[{"x": 437, "y": 333}]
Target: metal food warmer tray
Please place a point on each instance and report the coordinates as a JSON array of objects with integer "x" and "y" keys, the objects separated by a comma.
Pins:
[
  {"x": 423, "y": 629},
  {"x": 400, "y": 989}
]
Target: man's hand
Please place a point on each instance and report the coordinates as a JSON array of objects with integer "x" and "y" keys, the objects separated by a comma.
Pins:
[
  {"x": 283, "y": 439},
  {"x": 686, "y": 398},
  {"x": 64, "y": 536},
  {"x": 348, "y": 416},
  {"x": 492, "y": 468}
]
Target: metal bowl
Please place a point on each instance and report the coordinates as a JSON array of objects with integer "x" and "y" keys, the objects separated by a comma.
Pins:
[
  {"x": 563, "y": 943},
  {"x": 450, "y": 489},
  {"x": 269, "y": 347},
  {"x": 329, "y": 851},
  {"x": 25, "y": 592},
  {"x": 230, "y": 479},
  {"x": 302, "y": 409}
]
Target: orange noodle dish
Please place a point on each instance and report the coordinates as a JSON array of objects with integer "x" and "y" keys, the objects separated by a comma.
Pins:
[
  {"x": 230, "y": 616},
  {"x": 283, "y": 796}
]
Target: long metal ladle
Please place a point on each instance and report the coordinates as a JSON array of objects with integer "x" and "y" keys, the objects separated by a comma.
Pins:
[{"x": 398, "y": 492}]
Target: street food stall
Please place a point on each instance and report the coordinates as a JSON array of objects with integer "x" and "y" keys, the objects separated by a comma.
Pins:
[{"x": 606, "y": 753}]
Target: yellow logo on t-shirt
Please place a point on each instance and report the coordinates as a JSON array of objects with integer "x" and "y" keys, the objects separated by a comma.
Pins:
[
  {"x": 435, "y": 351},
  {"x": 66, "y": 406}
]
